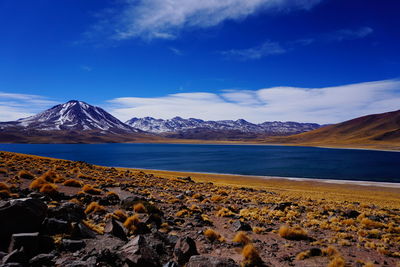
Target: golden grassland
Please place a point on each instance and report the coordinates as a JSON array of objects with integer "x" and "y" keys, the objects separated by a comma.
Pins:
[
  {"x": 316, "y": 223},
  {"x": 385, "y": 196}
]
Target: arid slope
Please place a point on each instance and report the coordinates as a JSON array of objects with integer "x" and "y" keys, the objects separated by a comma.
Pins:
[{"x": 378, "y": 130}]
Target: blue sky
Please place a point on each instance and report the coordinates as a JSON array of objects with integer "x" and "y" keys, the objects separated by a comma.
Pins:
[{"x": 306, "y": 60}]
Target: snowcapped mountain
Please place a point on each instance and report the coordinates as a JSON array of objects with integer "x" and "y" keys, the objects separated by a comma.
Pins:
[
  {"x": 179, "y": 125},
  {"x": 73, "y": 115}
]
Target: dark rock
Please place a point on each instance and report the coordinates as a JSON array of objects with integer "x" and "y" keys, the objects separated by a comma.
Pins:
[
  {"x": 79, "y": 230},
  {"x": 128, "y": 202},
  {"x": 241, "y": 226},
  {"x": 315, "y": 252},
  {"x": 116, "y": 228},
  {"x": 69, "y": 212},
  {"x": 73, "y": 245},
  {"x": 137, "y": 253},
  {"x": 54, "y": 226},
  {"x": 42, "y": 260},
  {"x": 20, "y": 216},
  {"x": 351, "y": 214},
  {"x": 184, "y": 249},
  {"x": 29, "y": 241},
  {"x": 2, "y": 254},
  {"x": 171, "y": 264},
  {"x": 282, "y": 206},
  {"x": 17, "y": 256},
  {"x": 210, "y": 261}
]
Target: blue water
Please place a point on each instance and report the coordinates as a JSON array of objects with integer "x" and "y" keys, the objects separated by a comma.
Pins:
[{"x": 285, "y": 161}]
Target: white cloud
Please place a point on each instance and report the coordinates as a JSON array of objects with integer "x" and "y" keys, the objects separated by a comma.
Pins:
[
  {"x": 266, "y": 49},
  {"x": 321, "y": 105},
  {"x": 16, "y": 106},
  {"x": 163, "y": 19},
  {"x": 349, "y": 34}
]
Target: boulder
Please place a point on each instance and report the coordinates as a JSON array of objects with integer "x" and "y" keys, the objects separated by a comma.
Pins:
[
  {"x": 42, "y": 260},
  {"x": 69, "y": 212},
  {"x": 137, "y": 253},
  {"x": 115, "y": 228},
  {"x": 210, "y": 261},
  {"x": 16, "y": 256},
  {"x": 241, "y": 226},
  {"x": 20, "y": 216},
  {"x": 54, "y": 226},
  {"x": 184, "y": 249},
  {"x": 73, "y": 245},
  {"x": 79, "y": 230}
]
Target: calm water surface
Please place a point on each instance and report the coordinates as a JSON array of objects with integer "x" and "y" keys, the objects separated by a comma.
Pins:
[{"x": 285, "y": 161}]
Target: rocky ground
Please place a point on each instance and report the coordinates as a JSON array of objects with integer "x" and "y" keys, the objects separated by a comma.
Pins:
[{"x": 64, "y": 213}]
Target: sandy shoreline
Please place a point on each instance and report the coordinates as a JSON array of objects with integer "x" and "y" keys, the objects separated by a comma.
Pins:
[
  {"x": 383, "y": 194},
  {"x": 266, "y": 177}
]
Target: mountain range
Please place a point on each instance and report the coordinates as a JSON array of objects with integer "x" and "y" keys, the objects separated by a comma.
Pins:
[
  {"x": 79, "y": 122},
  {"x": 199, "y": 129},
  {"x": 79, "y": 117}
]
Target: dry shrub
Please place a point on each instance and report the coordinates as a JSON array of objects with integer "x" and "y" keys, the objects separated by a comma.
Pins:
[
  {"x": 293, "y": 233},
  {"x": 330, "y": 251},
  {"x": 217, "y": 198},
  {"x": 25, "y": 175},
  {"x": 120, "y": 215},
  {"x": 139, "y": 208},
  {"x": 87, "y": 188},
  {"x": 368, "y": 223},
  {"x": 91, "y": 225},
  {"x": 251, "y": 256},
  {"x": 50, "y": 176},
  {"x": 182, "y": 213},
  {"x": 337, "y": 261},
  {"x": 213, "y": 235},
  {"x": 258, "y": 230},
  {"x": 131, "y": 222},
  {"x": 49, "y": 189},
  {"x": 3, "y": 171},
  {"x": 241, "y": 238},
  {"x": 95, "y": 207},
  {"x": 37, "y": 183},
  {"x": 73, "y": 183},
  {"x": 309, "y": 253},
  {"x": 4, "y": 186},
  {"x": 224, "y": 212}
]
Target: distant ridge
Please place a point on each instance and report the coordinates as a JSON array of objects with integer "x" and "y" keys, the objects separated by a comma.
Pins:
[
  {"x": 371, "y": 129},
  {"x": 199, "y": 129}
]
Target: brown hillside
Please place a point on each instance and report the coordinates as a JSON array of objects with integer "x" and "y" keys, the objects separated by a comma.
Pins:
[{"x": 371, "y": 129}]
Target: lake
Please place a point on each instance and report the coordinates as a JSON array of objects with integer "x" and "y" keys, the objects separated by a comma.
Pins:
[{"x": 260, "y": 160}]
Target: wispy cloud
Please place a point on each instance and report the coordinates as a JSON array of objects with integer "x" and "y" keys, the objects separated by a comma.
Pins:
[
  {"x": 321, "y": 105},
  {"x": 349, "y": 34},
  {"x": 269, "y": 48},
  {"x": 176, "y": 51},
  {"x": 266, "y": 49},
  {"x": 161, "y": 19},
  {"x": 16, "y": 106}
]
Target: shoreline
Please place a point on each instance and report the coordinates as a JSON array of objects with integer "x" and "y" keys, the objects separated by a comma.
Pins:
[
  {"x": 222, "y": 142},
  {"x": 383, "y": 194},
  {"x": 267, "y": 177},
  {"x": 258, "y": 177}
]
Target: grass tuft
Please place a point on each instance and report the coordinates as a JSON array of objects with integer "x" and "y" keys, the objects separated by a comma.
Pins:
[
  {"x": 251, "y": 256},
  {"x": 293, "y": 233},
  {"x": 95, "y": 207},
  {"x": 241, "y": 238},
  {"x": 73, "y": 183}
]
